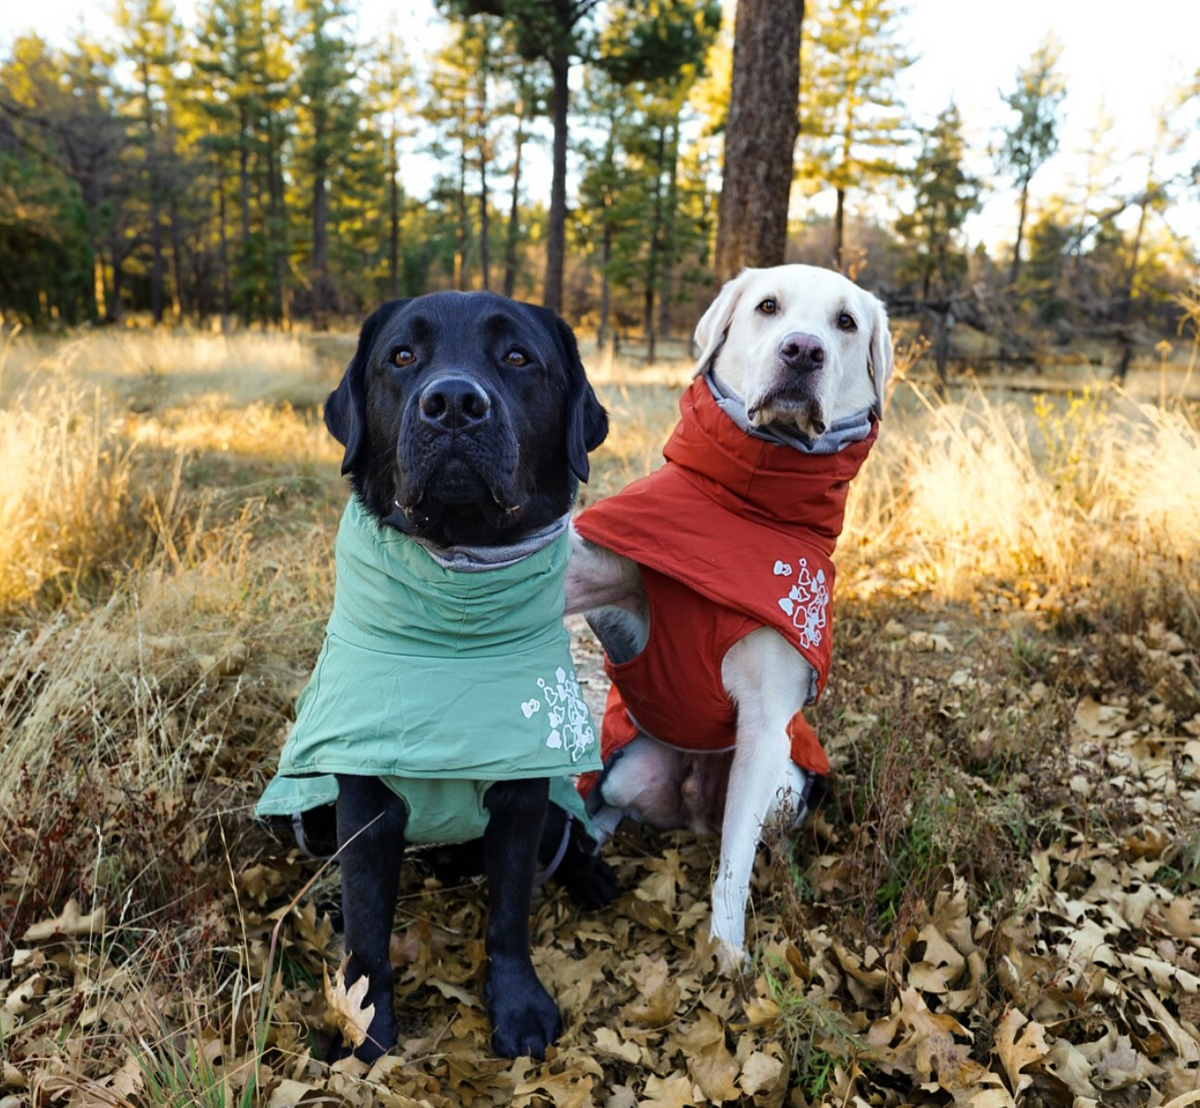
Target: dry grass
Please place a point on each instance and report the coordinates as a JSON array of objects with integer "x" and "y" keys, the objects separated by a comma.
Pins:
[
  {"x": 167, "y": 506},
  {"x": 1066, "y": 492}
]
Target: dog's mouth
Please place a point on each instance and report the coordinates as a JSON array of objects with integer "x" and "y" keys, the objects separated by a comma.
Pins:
[
  {"x": 795, "y": 406},
  {"x": 457, "y": 488}
]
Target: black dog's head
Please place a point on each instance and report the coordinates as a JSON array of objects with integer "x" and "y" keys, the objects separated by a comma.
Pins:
[{"x": 466, "y": 417}]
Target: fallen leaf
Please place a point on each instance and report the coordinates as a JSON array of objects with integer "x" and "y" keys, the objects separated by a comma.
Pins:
[
  {"x": 760, "y": 1073},
  {"x": 661, "y": 995},
  {"x": 453, "y": 992},
  {"x": 68, "y": 925},
  {"x": 1099, "y": 721},
  {"x": 940, "y": 967},
  {"x": 1066, "y": 1062},
  {"x": 607, "y": 1041},
  {"x": 930, "y": 1049},
  {"x": 1121, "y": 1066},
  {"x": 287, "y": 1093},
  {"x": 567, "y": 1090},
  {"x": 676, "y": 1091},
  {"x": 345, "y": 1005},
  {"x": 714, "y": 1070},
  {"x": 1017, "y": 1052}
]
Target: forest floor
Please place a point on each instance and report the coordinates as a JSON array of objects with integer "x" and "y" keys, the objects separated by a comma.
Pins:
[{"x": 998, "y": 905}]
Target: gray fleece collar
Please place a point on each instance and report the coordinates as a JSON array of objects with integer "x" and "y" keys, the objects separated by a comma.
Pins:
[
  {"x": 476, "y": 559},
  {"x": 840, "y": 434}
]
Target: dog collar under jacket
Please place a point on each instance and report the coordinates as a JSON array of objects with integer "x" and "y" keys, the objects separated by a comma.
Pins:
[
  {"x": 433, "y": 674},
  {"x": 744, "y": 523}
]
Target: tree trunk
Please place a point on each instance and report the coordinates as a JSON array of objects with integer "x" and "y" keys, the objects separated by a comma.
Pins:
[
  {"x": 1125, "y": 322},
  {"x": 97, "y": 305},
  {"x": 1016, "y": 262},
  {"x": 485, "y": 259},
  {"x": 276, "y": 241},
  {"x": 653, "y": 259},
  {"x": 668, "y": 249},
  {"x": 556, "y": 233},
  {"x": 393, "y": 217},
  {"x": 760, "y": 136},
  {"x": 514, "y": 212},
  {"x": 244, "y": 201},
  {"x": 460, "y": 237},
  {"x": 320, "y": 223},
  {"x": 115, "y": 305},
  {"x": 839, "y": 232},
  {"x": 152, "y": 195},
  {"x": 320, "y": 258},
  {"x": 602, "y": 335},
  {"x": 481, "y": 117},
  {"x": 179, "y": 297},
  {"x": 941, "y": 348},
  {"x": 223, "y": 239}
]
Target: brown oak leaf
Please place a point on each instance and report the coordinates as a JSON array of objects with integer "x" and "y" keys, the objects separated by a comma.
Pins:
[{"x": 345, "y": 1005}]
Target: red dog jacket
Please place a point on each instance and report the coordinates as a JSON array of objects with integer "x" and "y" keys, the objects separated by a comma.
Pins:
[{"x": 733, "y": 533}]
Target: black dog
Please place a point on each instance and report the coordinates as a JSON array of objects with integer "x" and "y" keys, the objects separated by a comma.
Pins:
[{"x": 467, "y": 420}]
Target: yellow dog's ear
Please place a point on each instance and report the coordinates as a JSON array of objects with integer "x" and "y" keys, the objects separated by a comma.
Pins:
[
  {"x": 879, "y": 357},
  {"x": 714, "y": 323}
]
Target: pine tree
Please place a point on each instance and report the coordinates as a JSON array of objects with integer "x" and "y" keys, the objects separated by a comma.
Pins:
[
  {"x": 151, "y": 44},
  {"x": 945, "y": 194},
  {"x": 598, "y": 219},
  {"x": 656, "y": 40},
  {"x": 1034, "y": 135},
  {"x": 851, "y": 123},
  {"x": 63, "y": 178},
  {"x": 241, "y": 82},
  {"x": 328, "y": 112},
  {"x": 391, "y": 94}
]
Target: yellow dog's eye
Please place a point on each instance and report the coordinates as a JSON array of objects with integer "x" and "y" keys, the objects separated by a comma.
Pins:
[
  {"x": 403, "y": 357},
  {"x": 846, "y": 322},
  {"x": 768, "y": 306},
  {"x": 516, "y": 358}
]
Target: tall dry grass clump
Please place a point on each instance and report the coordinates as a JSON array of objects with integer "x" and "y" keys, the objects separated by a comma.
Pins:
[
  {"x": 65, "y": 477},
  {"x": 1093, "y": 490},
  {"x": 151, "y": 367},
  {"x": 100, "y": 434}
]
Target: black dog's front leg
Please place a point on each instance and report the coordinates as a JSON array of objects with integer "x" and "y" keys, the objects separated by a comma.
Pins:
[
  {"x": 370, "y": 827},
  {"x": 525, "y": 1019}
]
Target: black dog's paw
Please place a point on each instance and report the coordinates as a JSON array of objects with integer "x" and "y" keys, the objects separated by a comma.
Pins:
[
  {"x": 525, "y": 1019},
  {"x": 588, "y": 879}
]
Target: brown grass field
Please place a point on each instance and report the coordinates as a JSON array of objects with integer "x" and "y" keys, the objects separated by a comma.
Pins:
[{"x": 999, "y": 906}]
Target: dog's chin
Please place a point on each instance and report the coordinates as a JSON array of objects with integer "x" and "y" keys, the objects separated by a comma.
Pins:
[
  {"x": 790, "y": 408},
  {"x": 455, "y": 498}
]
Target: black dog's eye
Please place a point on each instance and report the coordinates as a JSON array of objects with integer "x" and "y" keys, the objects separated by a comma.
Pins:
[
  {"x": 403, "y": 356},
  {"x": 768, "y": 306},
  {"x": 515, "y": 358},
  {"x": 846, "y": 322}
]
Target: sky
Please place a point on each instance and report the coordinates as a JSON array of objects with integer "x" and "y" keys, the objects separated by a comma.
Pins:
[{"x": 1125, "y": 58}]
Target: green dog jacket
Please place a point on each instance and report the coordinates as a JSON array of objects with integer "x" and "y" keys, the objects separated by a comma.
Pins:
[{"x": 439, "y": 681}]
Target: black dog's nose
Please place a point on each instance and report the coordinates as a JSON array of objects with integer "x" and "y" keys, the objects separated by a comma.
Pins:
[
  {"x": 802, "y": 352},
  {"x": 455, "y": 403}
]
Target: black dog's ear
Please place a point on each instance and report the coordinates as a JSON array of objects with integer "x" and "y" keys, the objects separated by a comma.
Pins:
[
  {"x": 587, "y": 421},
  {"x": 346, "y": 406}
]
